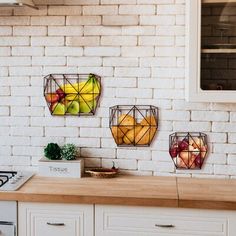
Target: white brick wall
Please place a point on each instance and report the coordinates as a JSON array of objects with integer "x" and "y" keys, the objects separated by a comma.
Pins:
[{"x": 137, "y": 46}]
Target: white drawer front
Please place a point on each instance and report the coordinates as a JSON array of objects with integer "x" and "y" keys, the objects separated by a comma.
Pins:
[
  {"x": 138, "y": 221},
  {"x": 36, "y": 219}
]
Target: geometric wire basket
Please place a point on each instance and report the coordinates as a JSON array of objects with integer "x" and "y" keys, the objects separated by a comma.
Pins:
[
  {"x": 133, "y": 125},
  {"x": 188, "y": 150},
  {"x": 72, "y": 94}
]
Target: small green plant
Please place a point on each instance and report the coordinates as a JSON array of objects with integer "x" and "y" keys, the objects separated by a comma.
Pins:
[
  {"x": 69, "y": 152},
  {"x": 52, "y": 151}
]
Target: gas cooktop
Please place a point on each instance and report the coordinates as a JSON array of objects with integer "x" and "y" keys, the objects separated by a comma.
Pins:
[{"x": 13, "y": 180}]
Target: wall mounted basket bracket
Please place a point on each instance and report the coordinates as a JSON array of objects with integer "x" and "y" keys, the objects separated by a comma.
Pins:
[
  {"x": 188, "y": 150},
  {"x": 133, "y": 125},
  {"x": 72, "y": 94}
]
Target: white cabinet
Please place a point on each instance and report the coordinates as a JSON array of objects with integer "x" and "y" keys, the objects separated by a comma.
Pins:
[
  {"x": 210, "y": 51},
  {"x": 150, "y": 221},
  {"x": 41, "y": 219}
]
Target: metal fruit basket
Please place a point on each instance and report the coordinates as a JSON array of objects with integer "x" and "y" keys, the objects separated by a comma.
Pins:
[
  {"x": 133, "y": 125},
  {"x": 72, "y": 94},
  {"x": 188, "y": 150}
]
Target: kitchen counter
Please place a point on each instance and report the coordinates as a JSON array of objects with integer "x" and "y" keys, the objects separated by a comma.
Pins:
[{"x": 130, "y": 190}]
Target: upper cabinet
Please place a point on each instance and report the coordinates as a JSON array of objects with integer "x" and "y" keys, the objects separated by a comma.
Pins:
[{"x": 211, "y": 51}]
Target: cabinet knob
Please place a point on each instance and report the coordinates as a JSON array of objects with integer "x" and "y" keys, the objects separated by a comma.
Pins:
[
  {"x": 164, "y": 226},
  {"x": 56, "y": 224}
]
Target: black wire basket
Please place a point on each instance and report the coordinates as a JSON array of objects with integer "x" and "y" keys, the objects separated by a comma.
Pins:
[
  {"x": 188, "y": 150},
  {"x": 72, "y": 94},
  {"x": 133, "y": 125}
]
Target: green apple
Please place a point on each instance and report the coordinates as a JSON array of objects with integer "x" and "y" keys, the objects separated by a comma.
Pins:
[
  {"x": 73, "y": 107},
  {"x": 86, "y": 107},
  {"x": 58, "y": 108}
]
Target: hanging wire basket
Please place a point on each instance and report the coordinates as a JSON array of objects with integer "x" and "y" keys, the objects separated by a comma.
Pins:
[
  {"x": 133, "y": 125},
  {"x": 188, "y": 150},
  {"x": 72, "y": 94}
]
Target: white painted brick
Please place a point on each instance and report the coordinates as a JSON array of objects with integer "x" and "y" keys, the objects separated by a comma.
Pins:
[
  {"x": 223, "y": 127},
  {"x": 27, "y": 51},
  {"x": 92, "y": 162},
  {"x": 64, "y": 10},
  {"x": 170, "y": 51},
  {"x": 100, "y": 10},
  {"x": 13, "y": 101},
  {"x": 45, "y": 122},
  {"x": 27, "y": 91},
  {"x": 138, "y": 30},
  {"x": 170, "y": 30},
  {"x": 4, "y": 91},
  {"x": 84, "y": 142},
  {"x": 117, "y": 2},
  {"x": 5, "y": 51},
  {"x": 132, "y": 72},
  {"x": 14, "y": 121},
  {"x": 14, "y": 20},
  {"x": 138, "y": 51},
  {"x": 137, "y": 10},
  {"x": 61, "y": 131},
  {"x": 156, "y": 41},
  {"x": 102, "y": 30},
  {"x": 21, "y": 71},
  {"x": 26, "y": 111},
  {"x": 65, "y": 30},
  {"x": 13, "y": 41},
  {"x": 97, "y": 152},
  {"x": 30, "y": 151},
  {"x": 170, "y": 10},
  {"x": 102, "y": 51},
  {"x": 191, "y": 126},
  {"x": 224, "y": 170},
  {"x": 155, "y": 1},
  {"x": 119, "y": 40},
  {"x": 26, "y": 11},
  {"x": 82, "y": 122},
  {"x": 6, "y": 11},
  {"x": 83, "y": 20},
  {"x": 157, "y": 20},
  {"x": 120, "y": 62},
  {"x": 15, "y": 61},
  {"x": 158, "y": 62},
  {"x": 4, "y": 111},
  {"x": 134, "y": 154},
  {"x": 64, "y": 51},
  {"x": 17, "y": 81},
  {"x": 43, "y": 141},
  {"x": 120, "y": 20},
  {"x": 84, "y": 61},
  {"x": 47, "y": 41},
  {"x": 5, "y": 30},
  {"x": 4, "y": 71},
  {"x": 29, "y": 30},
  {"x": 50, "y": 61},
  {"x": 59, "y": 69},
  {"x": 209, "y": 116},
  {"x": 129, "y": 92},
  {"x": 48, "y": 20},
  {"x": 101, "y": 71},
  {"x": 175, "y": 115},
  {"x": 77, "y": 2},
  {"x": 121, "y": 164},
  {"x": 168, "y": 94},
  {"x": 27, "y": 131},
  {"x": 168, "y": 72},
  {"x": 83, "y": 41}
]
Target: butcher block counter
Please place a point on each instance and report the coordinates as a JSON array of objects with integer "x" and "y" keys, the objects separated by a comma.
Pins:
[{"x": 130, "y": 190}]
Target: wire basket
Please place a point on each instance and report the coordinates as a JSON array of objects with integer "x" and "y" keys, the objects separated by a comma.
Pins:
[
  {"x": 188, "y": 150},
  {"x": 72, "y": 94},
  {"x": 133, "y": 125}
]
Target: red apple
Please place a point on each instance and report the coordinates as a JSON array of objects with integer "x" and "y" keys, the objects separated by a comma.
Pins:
[
  {"x": 173, "y": 152},
  {"x": 198, "y": 161},
  {"x": 61, "y": 93},
  {"x": 183, "y": 145},
  {"x": 52, "y": 97}
]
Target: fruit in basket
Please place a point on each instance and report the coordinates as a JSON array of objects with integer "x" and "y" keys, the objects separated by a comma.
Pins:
[
  {"x": 60, "y": 93},
  {"x": 127, "y": 121},
  {"x": 145, "y": 135},
  {"x": 86, "y": 107},
  {"x": 203, "y": 151},
  {"x": 132, "y": 134},
  {"x": 58, "y": 108},
  {"x": 73, "y": 107},
  {"x": 183, "y": 145},
  {"x": 174, "y": 151},
  {"x": 52, "y": 97},
  {"x": 149, "y": 120},
  {"x": 118, "y": 131},
  {"x": 196, "y": 142}
]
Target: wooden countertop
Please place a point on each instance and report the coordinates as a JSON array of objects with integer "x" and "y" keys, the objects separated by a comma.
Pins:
[{"x": 130, "y": 190}]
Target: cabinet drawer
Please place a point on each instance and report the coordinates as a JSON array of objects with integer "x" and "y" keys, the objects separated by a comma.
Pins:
[
  {"x": 140, "y": 221},
  {"x": 37, "y": 219}
]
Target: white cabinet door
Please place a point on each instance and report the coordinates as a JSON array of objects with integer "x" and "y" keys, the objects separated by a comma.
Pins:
[
  {"x": 150, "y": 221},
  {"x": 41, "y": 219}
]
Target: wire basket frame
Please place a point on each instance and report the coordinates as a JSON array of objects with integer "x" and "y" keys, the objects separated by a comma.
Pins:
[
  {"x": 72, "y": 94},
  {"x": 133, "y": 125},
  {"x": 188, "y": 150}
]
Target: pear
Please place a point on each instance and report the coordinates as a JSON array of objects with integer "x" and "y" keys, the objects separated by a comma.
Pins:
[
  {"x": 58, "y": 108},
  {"x": 131, "y": 134},
  {"x": 127, "y": 120},
  {"x": 86, "y": 107},
  {"x": 73, "y": 107}
]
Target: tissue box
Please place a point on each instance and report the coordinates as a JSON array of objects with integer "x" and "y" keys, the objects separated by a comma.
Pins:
[{"x": 61, "y": 168}]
